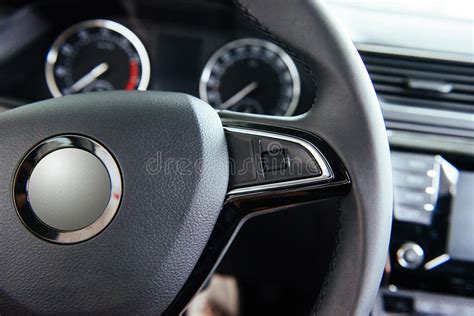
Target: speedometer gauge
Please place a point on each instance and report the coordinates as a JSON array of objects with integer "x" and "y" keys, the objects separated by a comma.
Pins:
[
  {"x": 251, "y": 75},
  {"x": 97, "y": 55}
]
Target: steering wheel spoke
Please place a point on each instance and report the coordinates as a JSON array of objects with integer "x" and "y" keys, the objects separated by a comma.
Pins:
[{"x": 273, "y": 166}]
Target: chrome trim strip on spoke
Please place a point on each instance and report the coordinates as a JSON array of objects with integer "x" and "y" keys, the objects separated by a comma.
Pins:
[{"x": 326, "y": 171}]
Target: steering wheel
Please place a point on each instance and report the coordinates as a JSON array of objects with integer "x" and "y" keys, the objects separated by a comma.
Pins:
[{"x": 124, "y": 202}]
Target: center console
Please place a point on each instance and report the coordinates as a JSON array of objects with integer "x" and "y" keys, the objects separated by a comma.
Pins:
[{"x": 431, "y": 257}]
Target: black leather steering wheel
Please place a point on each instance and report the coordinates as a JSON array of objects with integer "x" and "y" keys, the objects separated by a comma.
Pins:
[{"x": 167, "y": 229}]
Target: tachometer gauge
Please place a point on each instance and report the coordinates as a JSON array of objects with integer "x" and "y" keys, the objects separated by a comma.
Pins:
[
  {"x": 251, "y": 75},
  {"x": 97, "y": 55}
]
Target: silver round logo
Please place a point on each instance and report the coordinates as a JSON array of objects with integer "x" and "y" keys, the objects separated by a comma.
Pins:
[{"x": 67, "y": 189}]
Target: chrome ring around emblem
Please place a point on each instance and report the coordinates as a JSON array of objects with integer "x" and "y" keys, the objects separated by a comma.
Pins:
[{"x": 23, "y": 176}]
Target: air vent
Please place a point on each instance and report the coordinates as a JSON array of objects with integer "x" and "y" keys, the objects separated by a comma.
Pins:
[{"x": 421, "y": 82}]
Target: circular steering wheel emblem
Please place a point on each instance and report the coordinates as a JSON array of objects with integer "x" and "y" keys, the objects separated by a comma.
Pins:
[{"x": 67, "y": 189}]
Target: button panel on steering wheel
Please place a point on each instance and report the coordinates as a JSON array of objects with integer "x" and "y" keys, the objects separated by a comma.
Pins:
[{"x": 266, "y": 160}]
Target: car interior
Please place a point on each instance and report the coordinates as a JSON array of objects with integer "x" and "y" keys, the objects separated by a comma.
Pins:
[{"x": 237, "y": 157}]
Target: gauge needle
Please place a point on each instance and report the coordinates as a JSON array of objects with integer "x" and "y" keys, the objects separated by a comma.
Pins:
[
  {"x": 239, "y": 95},
  {"x": 90, "y": 77}
]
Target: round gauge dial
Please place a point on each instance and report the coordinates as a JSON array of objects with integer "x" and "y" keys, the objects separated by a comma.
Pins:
[
  {"x": 97, "y": 55},
  {"x": 251, "y": 75}
]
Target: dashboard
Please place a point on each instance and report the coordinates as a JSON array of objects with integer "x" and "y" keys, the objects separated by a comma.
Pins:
[
  {"x": 223, "y": 61},
  {"x": 205, "y": 49}
]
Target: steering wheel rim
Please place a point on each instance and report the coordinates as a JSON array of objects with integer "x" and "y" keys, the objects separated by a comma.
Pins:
[
  {"x": 345, "y": 125},
  {"x": 347, "y": 115}
]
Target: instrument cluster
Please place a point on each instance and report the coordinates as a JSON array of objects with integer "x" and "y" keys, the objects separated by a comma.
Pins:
[{"x": 245, "y": 74}]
